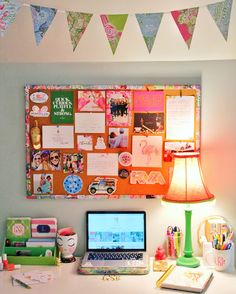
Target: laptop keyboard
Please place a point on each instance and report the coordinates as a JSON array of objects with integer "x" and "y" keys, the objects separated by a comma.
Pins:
[{"x": 115, "y": 256}]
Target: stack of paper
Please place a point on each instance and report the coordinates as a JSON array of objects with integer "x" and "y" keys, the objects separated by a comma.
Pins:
[{"x": 32, "y": 277}]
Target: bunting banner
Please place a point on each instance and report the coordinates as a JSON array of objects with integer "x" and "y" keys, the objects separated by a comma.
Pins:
[
  {"x": 8, "y": 11},
  {"x": 220, "y": 12},
  {"x": 42, "y": 19},
  {"x": 114, "y": 25},
  {"x": 149, "y": 24},
  {"x": 77, "y": 24},
  {"x": 185, "y": 20}
]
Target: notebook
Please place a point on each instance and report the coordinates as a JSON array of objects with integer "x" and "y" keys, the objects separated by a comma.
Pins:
[
  {"x": 116, "y": 239},
  {"x": 188, "y": 279}
]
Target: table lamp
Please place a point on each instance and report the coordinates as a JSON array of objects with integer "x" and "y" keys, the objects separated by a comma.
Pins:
[{"x": 187, "y": 187}]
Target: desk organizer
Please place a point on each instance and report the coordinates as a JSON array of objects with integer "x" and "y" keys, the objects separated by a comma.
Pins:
[{"x": 35, "y": 255}]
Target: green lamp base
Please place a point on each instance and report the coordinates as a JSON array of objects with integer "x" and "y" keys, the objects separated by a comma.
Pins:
[{"x": 188, "y": 261}]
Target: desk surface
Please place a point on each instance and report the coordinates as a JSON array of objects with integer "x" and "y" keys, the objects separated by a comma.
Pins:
[{"x": 67, "y": 281}]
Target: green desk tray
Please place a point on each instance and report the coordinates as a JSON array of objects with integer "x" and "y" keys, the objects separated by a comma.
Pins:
[{"x": 35, "y": 255}]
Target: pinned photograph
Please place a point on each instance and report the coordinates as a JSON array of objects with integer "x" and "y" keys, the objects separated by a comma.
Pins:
[
  {"x": 36, "y": 160},
  {"x": 46, "y": 160},
  {"x": 118, "y": 137},
  {"x": 91, "y": 100},
  {"x": 118, "y": 108},
  {"x": 73, "y": 163},
  {"x": 43, "y": 183},
  {"x": 148, "y": 122},
  {"x": 54, "y": 160},
  {"x": 171, "y": 147}
]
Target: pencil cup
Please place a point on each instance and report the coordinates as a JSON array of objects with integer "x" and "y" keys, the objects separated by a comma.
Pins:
[
  {"x": 174, "y": 245},
  {"x": 224, "y": 259}
]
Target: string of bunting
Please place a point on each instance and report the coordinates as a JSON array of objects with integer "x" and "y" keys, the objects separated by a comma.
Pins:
[{"x": 114, "y": 24}]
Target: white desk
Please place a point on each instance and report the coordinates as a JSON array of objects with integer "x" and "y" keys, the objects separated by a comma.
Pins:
[{"x": 69, "y": 282}]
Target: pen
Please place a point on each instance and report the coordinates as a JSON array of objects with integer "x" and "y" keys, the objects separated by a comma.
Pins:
[
  {"x": 22, "y": 283},
  {"x": 230, "y": 236},
  {"x": 228, "y": 246},
  {"x": 165, "y": 275},
  {"x": 176, "y": 238},
  {"x": 224, "y": 245}
]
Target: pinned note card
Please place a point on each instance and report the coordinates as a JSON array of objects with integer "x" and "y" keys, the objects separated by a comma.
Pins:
[
  {"x": 90, "y": 123},
  {"x": 58, "y": 136},
  {"x": 180, "y": 117},
  {"x": 102, "y": 164}
]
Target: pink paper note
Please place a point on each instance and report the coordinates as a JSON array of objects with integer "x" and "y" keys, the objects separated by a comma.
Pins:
[{"x": 149, "y": 101}]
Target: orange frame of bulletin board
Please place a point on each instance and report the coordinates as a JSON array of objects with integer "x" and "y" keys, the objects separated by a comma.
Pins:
[{"x": 74, "y": 138}]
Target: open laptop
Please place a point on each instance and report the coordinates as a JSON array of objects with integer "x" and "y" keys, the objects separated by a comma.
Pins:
[{"x": 116, "y": 239}]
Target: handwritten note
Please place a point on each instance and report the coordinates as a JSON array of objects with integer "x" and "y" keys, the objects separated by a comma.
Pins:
[
  {"x": 58, "y": 136},
  {"x": 85, "y": 142},
  {"x": 102, "y": 164},
  {"x": 180, "y": 117},
  {"x": 90, "y": 123}
]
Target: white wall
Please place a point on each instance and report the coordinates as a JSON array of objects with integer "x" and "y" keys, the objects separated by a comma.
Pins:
[
  {"x": 218, "y": 140},
  {"x": 18, "y": 44}
]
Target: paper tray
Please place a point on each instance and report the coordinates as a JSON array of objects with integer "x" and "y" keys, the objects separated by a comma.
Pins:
[{"x": 36, "y": 255}]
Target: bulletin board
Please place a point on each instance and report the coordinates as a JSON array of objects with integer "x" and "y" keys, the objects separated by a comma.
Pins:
[{"x": 112, "y": 142}]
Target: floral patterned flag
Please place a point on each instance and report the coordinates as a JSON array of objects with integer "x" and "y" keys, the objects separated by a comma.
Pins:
[
  {"x": 42, "y": 18},
  {"x": 149, "y": 24},
  {"x": 185, "y": 20},
  {"x": 114, "y": 26},
  {"x": 220, "y": 12},
  {"x": 77, "y": 23},
  {"x": 8, "y": 11}
]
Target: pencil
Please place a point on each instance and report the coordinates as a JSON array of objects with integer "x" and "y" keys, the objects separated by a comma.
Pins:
[
  {"x": 165, "y": 275},
  {"x": 22, "y": 283}
]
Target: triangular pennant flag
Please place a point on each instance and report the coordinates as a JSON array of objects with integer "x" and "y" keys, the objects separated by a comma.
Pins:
[
  {"x": 220, "y": 12},
  {"x": 8, "y": 11},
  {"x": 114, "y": 26},
  {"x": 149, "y": 24},
  {"x": 185, "y": 20},
  {"x": 42, "y": 18},
  {"x": 77, "y": 23}
]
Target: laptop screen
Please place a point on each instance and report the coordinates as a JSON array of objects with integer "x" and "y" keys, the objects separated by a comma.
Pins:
[{"x": 116, "y": 231}]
